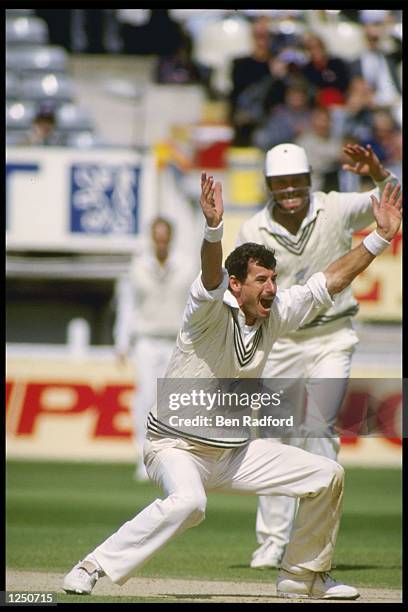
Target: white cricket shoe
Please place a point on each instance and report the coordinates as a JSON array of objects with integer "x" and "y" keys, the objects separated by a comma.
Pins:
[
  {"x": 269, "y": 554},
  {"x": 313, "y": 585},
  {"x": 82, "y": 578}
]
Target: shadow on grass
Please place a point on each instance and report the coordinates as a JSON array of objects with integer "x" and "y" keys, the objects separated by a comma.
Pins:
[
  {"x": 340, "y": 567},
  {"x": 364, "y": 567},
  {"x": 246, "y": 566},
  {"x": 211, "y": 595}
]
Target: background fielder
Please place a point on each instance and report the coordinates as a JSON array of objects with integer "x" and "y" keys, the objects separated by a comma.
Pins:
[
  {"x": 156, "y": 276},
  {"x": 307, "y": 231}
]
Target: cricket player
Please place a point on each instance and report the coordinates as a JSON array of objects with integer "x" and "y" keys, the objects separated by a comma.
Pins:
[
  {"x": 156, "y": 277},
  {"x": 307, "y": 231},
  {"x": 232, "y": 318}
]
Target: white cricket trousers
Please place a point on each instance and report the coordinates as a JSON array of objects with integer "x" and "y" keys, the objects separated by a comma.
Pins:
[
  {"x": 185, "y": 472},
  {"x": 151, "y": 357},
  {"x": 317, "y": 353}
]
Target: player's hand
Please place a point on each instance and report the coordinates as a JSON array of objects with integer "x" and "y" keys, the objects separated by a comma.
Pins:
[
  {"x": 211, "y": 200},
  {"x": 364, "y": 162},
  {"x": 388, "y": 211}
]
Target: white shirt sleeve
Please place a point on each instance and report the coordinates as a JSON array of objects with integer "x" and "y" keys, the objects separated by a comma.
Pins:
[
  {"x": 198, "y": 298},
  {"x": 356, "y": 208},
  {"x": 297, "y": 305}
]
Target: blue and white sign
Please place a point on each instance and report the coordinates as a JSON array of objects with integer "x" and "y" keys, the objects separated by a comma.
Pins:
[
  {"x": 63, "y": 199},
  {"x": 104, "y": 199}
]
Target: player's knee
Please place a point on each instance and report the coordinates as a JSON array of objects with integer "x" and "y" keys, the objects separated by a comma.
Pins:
[
  {"x": 338, "y": 473},
  {"x": 339, "y": 469},
  {"x": 334, "y": 473},
  {"x": 192, "y": 508}
]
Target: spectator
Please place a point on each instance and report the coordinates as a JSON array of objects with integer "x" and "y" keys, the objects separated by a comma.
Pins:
[
  {"x": 378, "y": 66},
  {"x": 387, "y": 141},
  {"x": 322, "y": 148},
  {"x": 253, "y": 68},
  {"x": 156, "y": 276},
  {"x": 83, "y": 30},
  {"x": 95, "y": 31},
  {"x": 148, "y": 32},
  {"x": 257, "y": 101},
  {"x": 180, "y": 67},
  {"x": 329, "y": 76},
  {"x": 355, "y": 118},
  {"x": 43, "y": 130},
  {"x": 287, "y": 121}
]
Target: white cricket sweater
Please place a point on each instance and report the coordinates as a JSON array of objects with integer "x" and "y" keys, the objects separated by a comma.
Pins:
[
  {"x": 212, "y": 342},
  {"x": 151, "y": 299},
  {"x": 324, "y": 235}
]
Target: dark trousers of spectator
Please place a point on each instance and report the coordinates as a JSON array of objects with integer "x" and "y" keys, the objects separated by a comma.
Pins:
[
  {"x": 160, "y": 36},
  {"x": 83, "y": 30}
]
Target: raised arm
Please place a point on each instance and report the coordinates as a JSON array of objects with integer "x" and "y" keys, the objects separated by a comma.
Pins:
[
  {"x": 388, "y": 214},
  {"x": 211, "y": 250},
  {"x": 365, "y": 162}
]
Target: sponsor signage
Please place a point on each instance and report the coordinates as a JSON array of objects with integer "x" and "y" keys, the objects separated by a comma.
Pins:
[
  {"x": 69, "y": 199},
  {"x": 61, "y": 408}
]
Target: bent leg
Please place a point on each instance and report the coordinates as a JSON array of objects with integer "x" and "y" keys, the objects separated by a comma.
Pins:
[
  {"x": 269, "y": 468},
  {"x": 177, "y": 472}
]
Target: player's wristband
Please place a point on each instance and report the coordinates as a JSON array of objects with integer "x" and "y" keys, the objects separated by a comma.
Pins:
[
  {"x": 214, "y": 234},
  {"x": 375, "y": 243}
]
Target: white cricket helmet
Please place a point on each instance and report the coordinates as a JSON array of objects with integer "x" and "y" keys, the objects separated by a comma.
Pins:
[{"x": 286, "y": 159}]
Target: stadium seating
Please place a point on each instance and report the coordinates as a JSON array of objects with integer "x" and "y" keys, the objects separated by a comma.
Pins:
[
  {"x": 13, "y": 86},
  {"x": 38, "y": 58},
  {"x": 37, "y": 74},
  {"x": 218, "y": 43},
  {"x": 81, "y": 140},
  {"x": 26, "y": 30},
  {"x": 343, "y": 38},
  {"x": 71, "y": 117},
  {"x": 52, "y": 86},
  {"x": 16, "y": 12},
  {"x": 15, "y": 137},
  {"x": 19, "y": 115}
]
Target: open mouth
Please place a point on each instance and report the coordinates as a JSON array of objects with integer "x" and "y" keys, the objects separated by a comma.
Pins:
[
  {"x": 266, "y": 303},
  {"x": 291, "y": 202}
]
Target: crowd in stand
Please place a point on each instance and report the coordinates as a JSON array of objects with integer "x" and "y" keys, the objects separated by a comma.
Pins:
[
  {"x": 301, "y": 93},
  {"x": 290, "y": 88}
]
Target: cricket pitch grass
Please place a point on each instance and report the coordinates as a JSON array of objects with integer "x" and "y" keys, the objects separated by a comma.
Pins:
[{"x": 57, "y": 512}]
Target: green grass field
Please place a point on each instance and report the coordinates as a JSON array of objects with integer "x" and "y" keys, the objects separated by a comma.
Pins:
[{"x": 58, "y": 512}]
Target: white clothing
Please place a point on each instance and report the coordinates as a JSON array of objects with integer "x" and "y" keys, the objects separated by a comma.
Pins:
[
  {"x": 151, "y": 299},
  {"x": 376, "y": 72},
  {"x": 150, "y": 304},
  {"x": 326, "y": 355},
  {"x": 186, "y": 472},
  {"x": 324, "y": 235},
  {"x": 324, "y": 346},
  {"x": 151, "y": 358},
  {"x": 211, "y": 343}
]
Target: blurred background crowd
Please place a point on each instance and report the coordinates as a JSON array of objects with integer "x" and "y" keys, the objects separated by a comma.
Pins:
[{"x": 317, "y": 78}]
